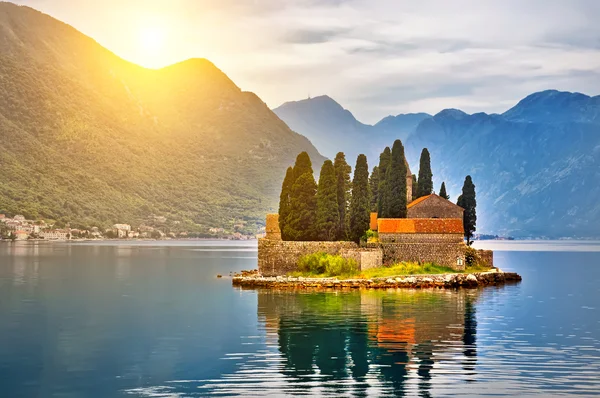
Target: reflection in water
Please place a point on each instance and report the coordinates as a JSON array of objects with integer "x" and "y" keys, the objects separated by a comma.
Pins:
[
  {"x": 367, "y": 342},
  {"x": 151, "y": 319}
]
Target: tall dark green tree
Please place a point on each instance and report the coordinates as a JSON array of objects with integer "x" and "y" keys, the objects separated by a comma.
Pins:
[
  {"x": 425, "y": 175},
  {"x": 383, "y": 191},
  {"x": 374, "y": 185},
  {"x": 343, "y": 184},
  {"x": 360, "y": 202},
  {"x": 468, "y": 202},
  {"x": 443, "y": 193},
  {"x": 303, "y": 165},
  {"x": 328, "y": 216},
  {"x": 284, "y": 200},
  {"x": 301, "y": 220},
  {"x": 415, "y": 187},
  {"x": 396, "y": 181}
]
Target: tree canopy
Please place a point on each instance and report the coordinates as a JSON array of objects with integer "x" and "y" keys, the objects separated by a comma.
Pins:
[
  {"x": 328, "y": 216},
  {"x": 443, "y": 193},
  {"x": 343, "y": 183},
  {"x": 468, "y": 202},
  {"x": 284, "y": 200},
  {"x": 374, "y": 186},
  {"x": 300, "y": 222},
  {"x": 383, "y": 191},
  {"x": 360, "y": 202},
  {"x": 396, "y": 183},
  {"x": 425, "y": 175}
]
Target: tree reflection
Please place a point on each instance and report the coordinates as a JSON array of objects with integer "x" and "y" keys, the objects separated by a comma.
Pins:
[{"x": 374, "y": 338}]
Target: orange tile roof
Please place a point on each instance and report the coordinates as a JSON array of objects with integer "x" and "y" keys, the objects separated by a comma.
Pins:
[
  {"x": 417, "y": 201},
  {"x": 420, "y": 226}
]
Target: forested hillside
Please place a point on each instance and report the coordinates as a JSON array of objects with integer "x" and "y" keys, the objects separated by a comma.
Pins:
[{"x": 88, "y": 138}]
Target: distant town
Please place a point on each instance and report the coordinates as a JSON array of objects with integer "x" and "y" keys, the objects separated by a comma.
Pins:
[{"x": 19, "y": 228}]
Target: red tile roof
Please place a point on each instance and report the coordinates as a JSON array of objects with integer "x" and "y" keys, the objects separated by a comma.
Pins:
[{"x": 420, "y": 226}]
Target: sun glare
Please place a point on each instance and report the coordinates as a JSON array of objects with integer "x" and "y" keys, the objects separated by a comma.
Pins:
[
  {"x": 151, "y": 44},
  {"x": 152, "y": 39}
]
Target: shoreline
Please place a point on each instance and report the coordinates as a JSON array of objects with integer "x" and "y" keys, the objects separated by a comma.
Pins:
[{"x": 440, "y": 281}]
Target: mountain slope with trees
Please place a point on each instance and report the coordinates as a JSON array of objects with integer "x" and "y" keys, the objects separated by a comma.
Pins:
[{"x": 91, "y": 139}]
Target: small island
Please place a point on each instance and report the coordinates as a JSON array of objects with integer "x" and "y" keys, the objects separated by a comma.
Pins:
[{"x": 383, "y": 230}]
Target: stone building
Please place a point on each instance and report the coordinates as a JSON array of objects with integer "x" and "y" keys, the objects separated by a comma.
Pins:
[
  {"x": 434, "y": 206},
  {"x": 425, "y": 240},
  {"x": 409, "y": 183}
]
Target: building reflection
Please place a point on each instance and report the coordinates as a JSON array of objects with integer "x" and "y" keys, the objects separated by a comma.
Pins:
[{"x": 389, "y": 337}]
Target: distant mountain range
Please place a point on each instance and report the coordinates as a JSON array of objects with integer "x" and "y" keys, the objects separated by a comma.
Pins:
[
  {"x": 536, "y": 166},
  {"x": 90, "y": 139},
  {"x": 332, "y": 128}
]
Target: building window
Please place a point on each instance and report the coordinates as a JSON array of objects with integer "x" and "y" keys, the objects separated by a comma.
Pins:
[{"x": 460, "y": 261}]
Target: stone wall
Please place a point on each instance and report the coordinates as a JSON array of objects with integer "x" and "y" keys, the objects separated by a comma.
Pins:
[
  {"x": 420, "y": 238},
  {"x": 435, "y": 207},
  {"x": 366, "y": 258},
  {"x": 276, "y": 257},
  {"x": 443, "y": 249},
  {"x": 486, "y": 258}
]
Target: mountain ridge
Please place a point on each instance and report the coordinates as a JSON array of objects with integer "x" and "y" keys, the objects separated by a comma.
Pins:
[
  {"x": 535, "y": 165},
  {"x": 92, "y": 139}
]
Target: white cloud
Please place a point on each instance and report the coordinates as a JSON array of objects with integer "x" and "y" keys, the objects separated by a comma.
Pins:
[{"x": 376, "y": 57}]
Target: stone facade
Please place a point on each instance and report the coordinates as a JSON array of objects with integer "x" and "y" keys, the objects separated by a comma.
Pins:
[
  {"x": 277, "y": 257},
  {"x": 434, "y": 206},
  {"x": 447, "y": 254},
  {"x": 272, "y": 229},
  {"x": 486, "y": 258}
]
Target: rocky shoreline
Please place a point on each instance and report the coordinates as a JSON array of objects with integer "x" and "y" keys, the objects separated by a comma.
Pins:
[{"x": 441, "y": 281}]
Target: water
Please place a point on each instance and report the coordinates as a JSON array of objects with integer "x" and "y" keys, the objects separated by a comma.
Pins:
[{"x": 152, "y": 320}]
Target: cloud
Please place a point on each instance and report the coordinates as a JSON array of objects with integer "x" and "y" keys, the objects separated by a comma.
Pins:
[{"x": 376, "y": 57}]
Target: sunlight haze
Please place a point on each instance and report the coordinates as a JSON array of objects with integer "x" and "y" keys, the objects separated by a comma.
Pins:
[{"x": 374, "y": 57}]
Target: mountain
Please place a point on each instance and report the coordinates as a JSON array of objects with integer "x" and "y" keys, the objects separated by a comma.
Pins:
[
  {"x": 332, "y": 128},
  {"x": 536, "y": 166},
  {"x": 324, "y": 122},
  {"x": 91, "y": 139}
]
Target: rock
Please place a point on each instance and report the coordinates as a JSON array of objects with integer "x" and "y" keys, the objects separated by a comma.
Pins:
[
  {"x": 390, "y": 280},
  {"x": 219, "y": 276},
  {"x": 471, "y": 278}
]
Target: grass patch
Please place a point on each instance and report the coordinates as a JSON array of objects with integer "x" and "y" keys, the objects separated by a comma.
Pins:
[
  {"x": 326, "y": 265},
  {"x": 323, "y": 265},
  {"x": 407, "y": 268}
]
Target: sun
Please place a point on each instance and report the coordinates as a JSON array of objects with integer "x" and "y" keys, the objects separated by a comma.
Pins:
[{"x": 152, "y": 40}]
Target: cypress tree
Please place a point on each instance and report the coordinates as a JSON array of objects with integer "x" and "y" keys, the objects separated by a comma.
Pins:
[
  {"x": 300, "y": 222},
  {"x": 374, "y": 186},
  {"x": 343, "y": 184},
  {"x": 396, "y": 181},
  {"x": 302, "y": 165},
  {"x": 468, "y": 202},
  {"x": 328, "y": 216},
  {"x": 284, "y": 200},
  {"x": 383, "y": 192},
  {"x": 415, "y": 190},
  {"x": 425, "y": 176},
  {"x": 443, "y": 193},
  {"x": 360, "y": 201}
]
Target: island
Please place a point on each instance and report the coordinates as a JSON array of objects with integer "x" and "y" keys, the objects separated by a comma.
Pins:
[{"x": 383, "y": 231}]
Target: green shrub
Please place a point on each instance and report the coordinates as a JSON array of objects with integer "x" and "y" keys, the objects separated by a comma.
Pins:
[
  {"x": 327, "y": 264},
  {"x": 471, "y": 257}
]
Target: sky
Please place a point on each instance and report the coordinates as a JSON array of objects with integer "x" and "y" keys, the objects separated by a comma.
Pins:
[{"x": 375, "y": 57}]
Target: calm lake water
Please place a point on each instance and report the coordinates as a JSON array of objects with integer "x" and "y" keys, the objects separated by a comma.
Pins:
[{"x": 152, "y": 320}]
